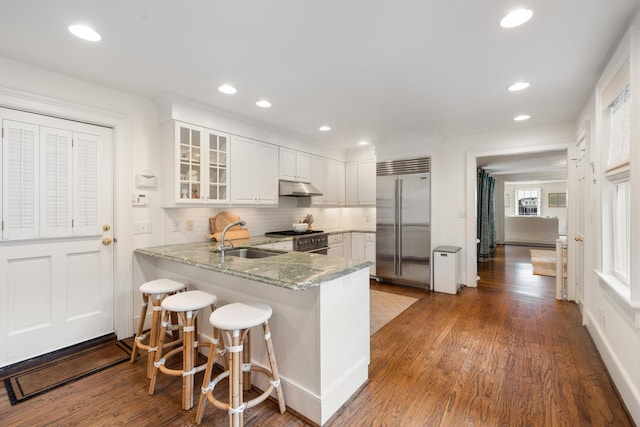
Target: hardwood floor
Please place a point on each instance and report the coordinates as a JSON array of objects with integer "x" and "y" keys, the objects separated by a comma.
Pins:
[{"x": 505, "y": 353}]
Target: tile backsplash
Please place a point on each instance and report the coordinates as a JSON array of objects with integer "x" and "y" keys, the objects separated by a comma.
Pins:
[{"x": 261, "y": 220}]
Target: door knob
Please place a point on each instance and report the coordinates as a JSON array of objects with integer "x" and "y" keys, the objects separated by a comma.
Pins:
[
  {"x": 578, "y": 239},
  {"x": 107, "y": 241}
]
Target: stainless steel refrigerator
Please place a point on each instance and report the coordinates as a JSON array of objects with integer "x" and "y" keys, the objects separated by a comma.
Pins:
[{"x": 403, "y": 222}]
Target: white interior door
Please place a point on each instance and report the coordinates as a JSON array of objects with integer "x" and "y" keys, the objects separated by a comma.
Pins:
[{"x": 56, "y": 257}]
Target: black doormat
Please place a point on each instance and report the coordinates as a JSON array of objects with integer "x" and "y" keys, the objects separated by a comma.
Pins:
[{"x": 53, "y": 374}]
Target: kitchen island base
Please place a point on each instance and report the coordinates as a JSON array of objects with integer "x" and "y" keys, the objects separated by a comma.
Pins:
[{"x": 320, "y": 334}]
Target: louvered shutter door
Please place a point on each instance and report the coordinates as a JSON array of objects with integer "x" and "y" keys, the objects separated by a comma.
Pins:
[
  {"x": 19, "y": 181},
  {"x": 55, "y": 188},
  {"x": 85, "y": 186}
]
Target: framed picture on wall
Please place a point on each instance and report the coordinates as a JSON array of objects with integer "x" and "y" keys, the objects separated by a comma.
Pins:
[
  {"x": 506, "y": 200},
  {"x": 557, "y": 200}
]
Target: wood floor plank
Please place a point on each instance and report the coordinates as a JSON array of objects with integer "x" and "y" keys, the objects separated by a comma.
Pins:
[{"x": 505, "y": 353}]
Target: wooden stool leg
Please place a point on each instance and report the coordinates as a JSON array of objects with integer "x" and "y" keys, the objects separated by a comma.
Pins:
[
  {"x": 143, "y": 315},
  {"x": 187, "y": 360},
  {"x": 235, "y": 381},
  {"x": 154, "y": 334},
  {"x": 158, "y": 354},
  {"x": 211, "y": 360},
  {"x": 246, "y": 358},
  {"x": 274, "y": 367}
]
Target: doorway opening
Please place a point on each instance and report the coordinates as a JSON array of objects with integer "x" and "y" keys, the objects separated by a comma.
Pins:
[{"x": 540, "y": 179}]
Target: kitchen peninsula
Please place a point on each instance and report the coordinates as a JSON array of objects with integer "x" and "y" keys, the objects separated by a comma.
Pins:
[{"x": 320, "y": 322}]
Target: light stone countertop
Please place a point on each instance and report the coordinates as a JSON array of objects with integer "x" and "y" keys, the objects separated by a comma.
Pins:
[{"x": 292, "y": 270}]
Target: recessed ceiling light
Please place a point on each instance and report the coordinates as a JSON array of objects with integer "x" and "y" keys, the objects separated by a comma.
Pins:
[
  {"x": 324, "y": 128},
  {"x": 521, "y": 117},
  {"x": 85, "y": 33},
  {"x": 228, "y": 89},
  {"x": 516, "y": 18},
  {"x": 363, "y": 142},
  {"x": 518, "y": 86},
  {"x": 263, "y": 103}
]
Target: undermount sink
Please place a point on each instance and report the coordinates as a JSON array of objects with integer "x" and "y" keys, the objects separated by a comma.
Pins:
[{"x": 250, "y": 252}]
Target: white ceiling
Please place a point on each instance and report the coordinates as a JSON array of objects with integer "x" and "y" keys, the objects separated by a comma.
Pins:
[
  {"x": 370, "y": 69},
  {"x": 540, "y": 166}
]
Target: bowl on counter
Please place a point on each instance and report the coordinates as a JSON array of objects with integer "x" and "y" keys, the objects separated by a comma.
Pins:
[{"x": 301, "y": 227}]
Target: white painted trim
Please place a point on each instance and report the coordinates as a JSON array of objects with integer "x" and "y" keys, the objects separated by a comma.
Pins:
[{"x": 120, "y": 123}]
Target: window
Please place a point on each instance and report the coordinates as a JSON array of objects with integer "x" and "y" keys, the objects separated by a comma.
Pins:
[
  {"x": 617, "y": 127},
  {"x": 621, "y": 229},
  {"x": 527, "y": 202}
]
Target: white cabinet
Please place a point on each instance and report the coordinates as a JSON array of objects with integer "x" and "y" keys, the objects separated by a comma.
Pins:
[
  {"x": 351, "y": 183},
  {"x": 357, "y": 245},
  {"x": 336, "y": 247},
  {"x": 328, "y": 176},
  {"x": 199, "y": 161},
  {"x": 340, "y": 183},
  {"x": 363, "y": 246},
  {"x": 370, "y": 251},
  {"x": 254, "y": 173},
  {"x": 346, "y": 245},
  {"x": 294, "y": 165},
  {"x": 334, "y": 181},
  {"x": 367, "y": 182},
  {"x": 267, "y": 174},
  {"x": 360, "y": 185},
  {"x": 318, "y": 172}
]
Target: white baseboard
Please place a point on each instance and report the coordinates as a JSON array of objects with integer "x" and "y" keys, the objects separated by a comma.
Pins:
[{"x": 623, "y": 382}]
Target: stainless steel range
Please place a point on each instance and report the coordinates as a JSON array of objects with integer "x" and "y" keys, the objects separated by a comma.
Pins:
[{"x": 312, "y": 241}]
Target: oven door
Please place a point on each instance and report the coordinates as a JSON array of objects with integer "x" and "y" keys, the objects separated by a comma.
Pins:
[{"x": 322, "y": 251}]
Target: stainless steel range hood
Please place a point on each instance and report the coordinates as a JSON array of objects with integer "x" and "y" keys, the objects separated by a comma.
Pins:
[{"x": 298, "y": 189}]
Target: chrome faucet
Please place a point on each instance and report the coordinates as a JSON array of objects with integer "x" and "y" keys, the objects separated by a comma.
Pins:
[{"x": 222, "y": 247}]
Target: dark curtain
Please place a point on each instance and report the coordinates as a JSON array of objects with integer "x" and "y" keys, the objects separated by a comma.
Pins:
[{"x": 486, "y": 215}]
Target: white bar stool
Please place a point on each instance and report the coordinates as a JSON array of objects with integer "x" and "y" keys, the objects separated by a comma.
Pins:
[
  {"x": 155, "y": 291},
  {"x": 187, "y": 305},
  {"x": 234, "y": 321}
]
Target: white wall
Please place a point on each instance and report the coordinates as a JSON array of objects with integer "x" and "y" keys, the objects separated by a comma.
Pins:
[
  {"x": 613, "y": 321},
  {"x": 456, "y": 181}
]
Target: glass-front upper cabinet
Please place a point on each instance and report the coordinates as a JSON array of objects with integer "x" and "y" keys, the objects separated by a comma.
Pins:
[
  {"x": 218, "y": 149},
  {"x": 202, "y": 156}
]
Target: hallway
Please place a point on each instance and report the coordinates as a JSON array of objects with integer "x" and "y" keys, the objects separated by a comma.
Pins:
[{"x": 510, "y": 270}]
